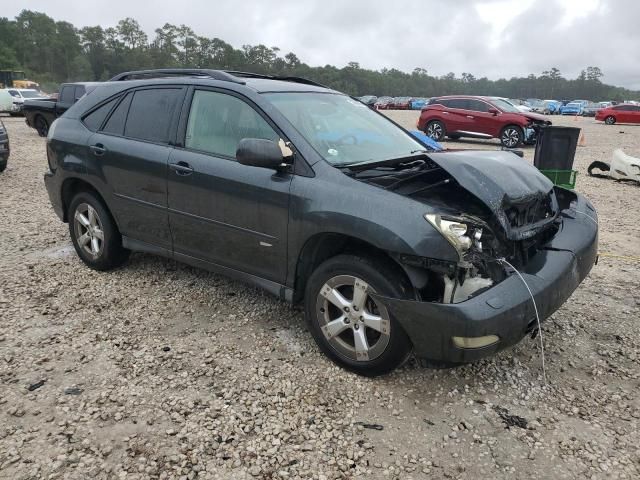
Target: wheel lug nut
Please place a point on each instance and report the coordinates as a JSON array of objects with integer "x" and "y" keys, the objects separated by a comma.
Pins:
[
  {"x": 356, "y": 326},
  {"x": 346, "y": 309},
  {"x": 346, "y": 320}
]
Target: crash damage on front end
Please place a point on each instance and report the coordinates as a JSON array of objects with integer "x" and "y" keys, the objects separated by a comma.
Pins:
[{"x": 498, "y": 212}]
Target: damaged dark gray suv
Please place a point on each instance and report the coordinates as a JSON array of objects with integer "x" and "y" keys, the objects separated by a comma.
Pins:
[{"x": 315, "y": 197}]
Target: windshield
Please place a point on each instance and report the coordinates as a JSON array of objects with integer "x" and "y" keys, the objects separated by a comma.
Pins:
[
  {"x": 504, "y": 105},
  {"x": 343, "y": 131},
  {"x": 30, "y": 93}
]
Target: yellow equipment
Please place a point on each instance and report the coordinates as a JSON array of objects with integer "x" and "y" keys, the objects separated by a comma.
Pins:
[{"x": 16, "y": 79}]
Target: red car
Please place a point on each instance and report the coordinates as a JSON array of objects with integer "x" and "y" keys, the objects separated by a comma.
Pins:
[
  {"x": 479, "y": 117},
  {"x": 625, "y": 113}
]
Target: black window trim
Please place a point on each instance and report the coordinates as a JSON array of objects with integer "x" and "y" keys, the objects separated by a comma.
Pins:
[
  {"x": 174, "y": 121},
  {"x": 98, "y": 106}
]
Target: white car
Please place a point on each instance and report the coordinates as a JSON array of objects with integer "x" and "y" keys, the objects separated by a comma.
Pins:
[
  {"x": 6, "y": 101},
  {"x": 516, "y": 104},
  {"x": 19, "y": 95}
]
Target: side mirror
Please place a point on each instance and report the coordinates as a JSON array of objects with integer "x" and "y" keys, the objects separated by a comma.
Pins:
[
  {"x": 493, "y": 111},
  {"x": 257, "y": 152}
]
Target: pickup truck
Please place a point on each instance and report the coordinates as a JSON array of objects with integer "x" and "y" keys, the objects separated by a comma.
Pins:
[{"x": 41, "y": 113}]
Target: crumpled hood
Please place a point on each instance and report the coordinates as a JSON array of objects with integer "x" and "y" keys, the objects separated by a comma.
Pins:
[
  {"x": 536, "y": 117},
  {"x": 501, "y": 180}
]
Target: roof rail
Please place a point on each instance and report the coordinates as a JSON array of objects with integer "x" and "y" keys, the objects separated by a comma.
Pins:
[
  {"x": 177, "y": 72},
  {"x": 285, "y": 78}
]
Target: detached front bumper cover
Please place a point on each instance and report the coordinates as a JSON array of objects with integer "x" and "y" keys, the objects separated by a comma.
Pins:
[{"x": 505, "y": 310}]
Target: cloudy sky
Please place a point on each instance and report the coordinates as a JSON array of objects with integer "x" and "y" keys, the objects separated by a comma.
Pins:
[{"x": 493, "y": 38}]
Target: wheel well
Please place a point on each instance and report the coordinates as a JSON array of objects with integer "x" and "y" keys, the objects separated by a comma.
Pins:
[
  {"x": 324, "y": 246},
  {"x": 73, "y": 186},
  {"x": 515, "y": 125}
]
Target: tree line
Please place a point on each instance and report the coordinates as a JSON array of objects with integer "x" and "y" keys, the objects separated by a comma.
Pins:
[{"x": 52, "y": 52}]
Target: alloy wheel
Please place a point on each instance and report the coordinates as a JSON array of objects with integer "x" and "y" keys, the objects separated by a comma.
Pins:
[
  {"x": 609, "y": 120},
  {"x": 354, "y": 324},
  {"x": 510, "y": 137},
  {"x": 88, "y": 230},
  {"x": 434, "y": 130}
]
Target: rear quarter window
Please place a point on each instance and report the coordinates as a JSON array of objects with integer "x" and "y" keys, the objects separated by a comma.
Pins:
[
  {"x": 115, "y": 124},
  {"x": 96, "y": 118}
]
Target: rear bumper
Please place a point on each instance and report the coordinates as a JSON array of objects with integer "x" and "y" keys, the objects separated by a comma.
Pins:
[
  {"x": 505, "y": 310},
  {"x": 54, "y": 188}
]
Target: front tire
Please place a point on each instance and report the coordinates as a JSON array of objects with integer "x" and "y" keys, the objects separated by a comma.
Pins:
[
  {"x": 3, "y": 164},
  {"x": 353, "y": 329},
  {"x": 511, "y": 136},
  {"x": 436, "y": 130},
  {"x": 94, "y": 234},
  {"x": 610, "y": 120}
]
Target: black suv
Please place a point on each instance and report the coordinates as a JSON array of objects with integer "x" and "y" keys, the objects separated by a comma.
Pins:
[{"x": 309, "y": 194}]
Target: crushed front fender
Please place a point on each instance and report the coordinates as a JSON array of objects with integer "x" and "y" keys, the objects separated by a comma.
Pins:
[{"x": 505, "y": 310}]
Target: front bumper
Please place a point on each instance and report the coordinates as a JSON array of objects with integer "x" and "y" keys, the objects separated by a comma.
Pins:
[{"x": 505, "y": 309}]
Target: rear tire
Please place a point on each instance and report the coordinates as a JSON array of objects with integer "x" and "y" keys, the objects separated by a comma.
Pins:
[
  {"x": 41, "y": 125},
  {"x": 610, "y": 120},
  {"x": 94, "y": 233},
  {"x": 511, "y": 136},
  {"x": 436, "y": 130},
  {"x": 3, "y": 164},
  {"x": 350, "y": 327}
]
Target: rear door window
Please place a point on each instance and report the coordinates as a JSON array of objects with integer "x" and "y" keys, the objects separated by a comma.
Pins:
[
  {"x": 152, "y": 113},
  {"x": 217, "y": 123},
  {"x": 80, "y": 91},
  {"x": 67, "y": 94},
  {"x": 459, "y": 103},
  {"x": 478, "y": 106}
]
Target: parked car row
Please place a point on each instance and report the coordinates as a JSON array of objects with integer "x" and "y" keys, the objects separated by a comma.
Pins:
[{"x": 394, "y": 103}]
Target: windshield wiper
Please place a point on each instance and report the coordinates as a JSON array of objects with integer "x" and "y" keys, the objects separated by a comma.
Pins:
[{"x": 359, "y": 166}]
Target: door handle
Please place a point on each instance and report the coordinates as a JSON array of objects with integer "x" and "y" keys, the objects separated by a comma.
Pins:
[
  {"x": 181, "y": 168},
  {"x": 98, "y": 149},
  {"x": 445, "y": 113},
  {"x": 470, "y": 116}
]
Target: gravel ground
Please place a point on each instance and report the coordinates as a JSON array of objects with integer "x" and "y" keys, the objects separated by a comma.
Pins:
[{"x": 158, "y": 370}]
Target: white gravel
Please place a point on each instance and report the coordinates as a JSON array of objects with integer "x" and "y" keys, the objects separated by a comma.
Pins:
[{"x": 159, "y": 370}]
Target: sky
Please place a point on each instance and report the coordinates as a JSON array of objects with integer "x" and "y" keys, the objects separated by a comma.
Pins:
[{"x": 492, "y": 38}]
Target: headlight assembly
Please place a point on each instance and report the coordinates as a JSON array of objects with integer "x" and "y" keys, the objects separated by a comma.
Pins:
[{"x": 454, "y": 231}]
